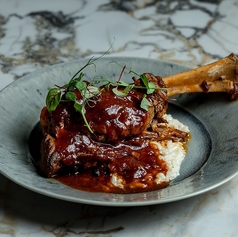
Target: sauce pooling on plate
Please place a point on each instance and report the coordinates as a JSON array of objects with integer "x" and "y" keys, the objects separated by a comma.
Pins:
[{"x": 108, "y": 142}]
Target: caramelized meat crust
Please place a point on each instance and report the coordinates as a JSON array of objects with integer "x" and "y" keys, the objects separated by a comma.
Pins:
[
  {"x": 121, "y": 138},
  {"x": 125, "y": 137},
  {"x": 112, "y": 118}
]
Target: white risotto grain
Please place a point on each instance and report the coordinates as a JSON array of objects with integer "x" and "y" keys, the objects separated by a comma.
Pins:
[{"x": 172, "y": 153}]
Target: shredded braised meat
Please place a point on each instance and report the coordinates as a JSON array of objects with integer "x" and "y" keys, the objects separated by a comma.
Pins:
[{"x": 121, "y": 139}]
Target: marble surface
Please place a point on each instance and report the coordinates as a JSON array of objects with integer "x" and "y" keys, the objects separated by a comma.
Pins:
[{"x": 36, "y": 34}]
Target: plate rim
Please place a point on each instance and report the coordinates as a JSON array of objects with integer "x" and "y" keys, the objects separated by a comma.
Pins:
[{"x": 92, "y": 202}]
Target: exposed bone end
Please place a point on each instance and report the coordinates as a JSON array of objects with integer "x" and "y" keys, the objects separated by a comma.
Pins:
[{"x": 219, "y": 76}]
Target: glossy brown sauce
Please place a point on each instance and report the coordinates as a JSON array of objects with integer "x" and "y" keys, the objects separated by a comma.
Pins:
[
  {"x": 137, "y": 161},
  {"x": 88, "y": 161},
  {"x": 87, "y": 182}
]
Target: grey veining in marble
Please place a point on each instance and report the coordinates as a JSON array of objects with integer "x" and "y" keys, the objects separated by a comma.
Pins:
[
  {"x": 36, "y": 34},
  {"x": 166, "y": 30}
]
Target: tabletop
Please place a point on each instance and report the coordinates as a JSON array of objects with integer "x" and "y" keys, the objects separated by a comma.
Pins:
[{"x": 37, "y": 34}]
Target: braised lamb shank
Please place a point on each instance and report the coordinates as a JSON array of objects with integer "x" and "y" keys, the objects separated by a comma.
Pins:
[{"x": 122, "y": 130}]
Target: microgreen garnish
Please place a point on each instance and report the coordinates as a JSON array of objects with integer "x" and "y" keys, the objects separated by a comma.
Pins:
[
  {"x": 90, "y": 93},
  {"x": 149, "y": 86},
  {"x": 120, "y": 83},
  {"x": 145, "y": 104},
  {"x": 80, "y": 107},
  {"x": 54, "y": 96}
]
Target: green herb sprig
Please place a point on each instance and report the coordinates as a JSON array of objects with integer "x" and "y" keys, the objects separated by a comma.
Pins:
[
  {"x": 90, "y": 92},
  {"x": 54, "y": 96}
]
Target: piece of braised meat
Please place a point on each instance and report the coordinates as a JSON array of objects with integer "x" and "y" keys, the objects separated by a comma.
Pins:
[
  {"x": 113, "y": 119},
  {"x": 122, "y": 130}
]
